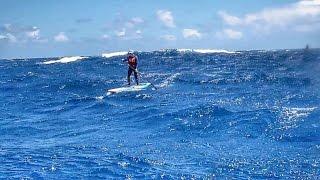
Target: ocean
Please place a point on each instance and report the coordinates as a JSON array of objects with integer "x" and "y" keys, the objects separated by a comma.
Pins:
[{"x": 214, "y": 115}]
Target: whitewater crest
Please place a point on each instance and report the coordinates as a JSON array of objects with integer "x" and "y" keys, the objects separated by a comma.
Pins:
[
  {"x": 205, "y": 51},
  {"x": 66, "y": 60},
  {"x": 114, "y": 54},
  {"x": 202, "y": 51}
]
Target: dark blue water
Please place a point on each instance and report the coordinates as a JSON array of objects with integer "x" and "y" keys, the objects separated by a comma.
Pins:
[{"x": 251, "y": 114}]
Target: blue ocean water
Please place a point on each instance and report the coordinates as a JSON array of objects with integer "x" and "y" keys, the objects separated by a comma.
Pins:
[{"x": 248, "y": 114}]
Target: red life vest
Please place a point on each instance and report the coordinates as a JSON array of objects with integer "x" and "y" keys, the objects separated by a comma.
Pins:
[{"x": 132, "y": 61}]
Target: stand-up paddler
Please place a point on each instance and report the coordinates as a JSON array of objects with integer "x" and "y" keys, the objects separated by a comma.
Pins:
[{"x": 132, "y": 61}]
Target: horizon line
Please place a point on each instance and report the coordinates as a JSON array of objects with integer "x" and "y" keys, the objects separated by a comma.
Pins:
[{"x": 143, "y": 51}]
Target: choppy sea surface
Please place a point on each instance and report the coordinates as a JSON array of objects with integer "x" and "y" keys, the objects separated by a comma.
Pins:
[{"x": 214, "y": 115}]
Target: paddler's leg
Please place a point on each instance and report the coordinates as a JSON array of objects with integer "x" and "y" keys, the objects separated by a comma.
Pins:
[
  {"x": 129, "y": 74},
  {"x": 136, "y": 77}
]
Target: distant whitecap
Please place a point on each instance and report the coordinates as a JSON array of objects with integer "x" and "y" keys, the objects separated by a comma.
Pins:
[
  {"x": 206, "y": 51},
  {"x": 66, "y": 60},
  {"x": 113, "y": 54}
]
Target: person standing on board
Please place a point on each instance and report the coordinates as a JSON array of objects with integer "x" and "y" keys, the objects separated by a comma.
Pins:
[{"x": 132, "y": 61}]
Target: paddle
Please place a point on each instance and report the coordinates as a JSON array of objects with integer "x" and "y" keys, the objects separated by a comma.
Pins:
[{"x": 141, "y": 76}]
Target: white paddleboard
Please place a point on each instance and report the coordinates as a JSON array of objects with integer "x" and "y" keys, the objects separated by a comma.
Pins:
[{"x": 140, "y": 87}]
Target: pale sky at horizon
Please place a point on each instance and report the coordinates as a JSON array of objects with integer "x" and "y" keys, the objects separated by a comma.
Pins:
[{"x": 36, "y": 28}]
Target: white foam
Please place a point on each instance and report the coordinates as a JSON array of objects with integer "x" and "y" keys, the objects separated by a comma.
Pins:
[
  {"x": 206, "y": 51},
  {"x": 113, "y": 54},
  {"x": 184, "y": 50},
  {"x": 294, "y": 113},
  {"x": 212, "y": 51},
  {"x": 99, "y": 98},
  {"x": 66, "y": 60},
  {"x": 290, "y": 117},
  {"x": 169, "y": 80}
]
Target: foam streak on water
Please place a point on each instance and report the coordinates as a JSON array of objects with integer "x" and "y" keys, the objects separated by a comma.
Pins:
[{"x": 214, "y": 115}]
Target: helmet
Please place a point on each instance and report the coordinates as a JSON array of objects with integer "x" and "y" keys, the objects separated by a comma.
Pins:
[{"x": 130, "y": 52}]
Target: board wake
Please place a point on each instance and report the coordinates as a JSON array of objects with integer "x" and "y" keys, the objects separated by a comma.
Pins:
[{"x": 140, "y": 87}]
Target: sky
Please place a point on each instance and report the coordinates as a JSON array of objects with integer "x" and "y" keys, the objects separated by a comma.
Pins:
[{"x": 51, "y": 28}]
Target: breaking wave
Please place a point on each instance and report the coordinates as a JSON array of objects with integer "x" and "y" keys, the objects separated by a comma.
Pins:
[{"x": 66, "y": 60}]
